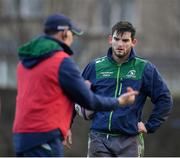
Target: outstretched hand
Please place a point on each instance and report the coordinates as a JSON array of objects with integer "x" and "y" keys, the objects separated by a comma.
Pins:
[{"x": 128, "y": 97}]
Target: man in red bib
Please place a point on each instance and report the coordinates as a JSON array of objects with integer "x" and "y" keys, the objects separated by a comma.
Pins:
[{"x": 48, "y": 84}]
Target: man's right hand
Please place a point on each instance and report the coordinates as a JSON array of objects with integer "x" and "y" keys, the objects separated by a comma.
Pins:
[
  {"x": 68, "y": 141},
  {"x": 128, "y": 97}
]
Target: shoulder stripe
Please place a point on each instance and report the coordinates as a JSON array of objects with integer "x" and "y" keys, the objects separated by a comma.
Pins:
[
  {"x": 101, "y": 58},
  {"x": 141, "y": 59}
]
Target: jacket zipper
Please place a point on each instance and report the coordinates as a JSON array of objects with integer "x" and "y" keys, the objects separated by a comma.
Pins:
[
  {"x": 120, "y": 88},
  {"x": 116, "y": 94}
]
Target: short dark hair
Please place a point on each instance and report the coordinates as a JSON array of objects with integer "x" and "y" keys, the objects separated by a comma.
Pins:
[{"x": 124, "y": 26}]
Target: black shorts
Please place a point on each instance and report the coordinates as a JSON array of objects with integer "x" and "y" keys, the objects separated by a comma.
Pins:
[{"x": 53, "y": 148}]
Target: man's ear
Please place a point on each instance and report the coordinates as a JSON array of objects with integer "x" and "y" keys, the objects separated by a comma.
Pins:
[
  {"x": 134, "y": 42},
  {"x": 110, "y": 39},
  {"x": 64, "y": 34}
]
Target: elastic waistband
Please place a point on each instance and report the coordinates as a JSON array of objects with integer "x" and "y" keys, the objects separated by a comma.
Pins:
[
  {"x": 109, "y": 134},
  {"x": 106, "y": 134}
]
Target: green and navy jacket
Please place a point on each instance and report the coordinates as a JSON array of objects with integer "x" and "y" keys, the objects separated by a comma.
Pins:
[{"x": 111, "y": 79}]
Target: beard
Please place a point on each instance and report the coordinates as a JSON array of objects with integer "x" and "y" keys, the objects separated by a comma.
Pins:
[{"x": 121, "y": 53}]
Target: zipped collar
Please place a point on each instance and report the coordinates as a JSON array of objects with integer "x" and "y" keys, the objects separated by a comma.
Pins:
[{"x": 131, "y": 55}]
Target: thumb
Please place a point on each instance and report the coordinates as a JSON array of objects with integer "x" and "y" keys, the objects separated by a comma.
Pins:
[
  {"x": 131, "y": 92},
  {"x": 129, "y": 89}
]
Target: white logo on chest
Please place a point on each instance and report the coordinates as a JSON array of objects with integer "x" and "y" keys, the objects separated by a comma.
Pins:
[
  {"x": 131, "y": 74},
  {"x": 106, "y": 74}
]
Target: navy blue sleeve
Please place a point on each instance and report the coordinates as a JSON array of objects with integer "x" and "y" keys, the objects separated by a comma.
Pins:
[
  {"x": 89, "y": 71},
  {"x": 156, "y": 88},
  {"x": 73, "y": 85}
]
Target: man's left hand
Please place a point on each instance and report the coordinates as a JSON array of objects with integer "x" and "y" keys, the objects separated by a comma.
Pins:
[{"x": 141, "y": 127}]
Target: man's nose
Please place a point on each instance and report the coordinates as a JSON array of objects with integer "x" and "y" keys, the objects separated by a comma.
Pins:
[{"x": 120, "y": 43}]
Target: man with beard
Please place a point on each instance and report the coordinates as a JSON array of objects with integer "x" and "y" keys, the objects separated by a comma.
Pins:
[{"x": 120, "y": 132}]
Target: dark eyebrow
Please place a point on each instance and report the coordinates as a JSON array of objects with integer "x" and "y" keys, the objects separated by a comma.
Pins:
[
  {"x": 116, "y": 38},
  {"x": 125, "y": 40}
]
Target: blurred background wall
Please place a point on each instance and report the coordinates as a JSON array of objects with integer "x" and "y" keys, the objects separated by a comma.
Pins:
[{"x": 158, "y": 33}]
